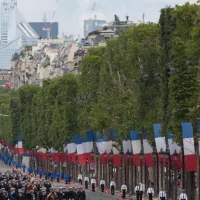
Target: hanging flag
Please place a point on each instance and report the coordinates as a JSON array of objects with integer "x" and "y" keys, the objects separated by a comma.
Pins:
[
  {"x": 20, "y": 147},
  {"x": 127, "y": 148},
  {"x": 65, "y": 148},
  {"x": 160, "y": 144},
  {"x": 160, "y": 140},
  {"x": 7, "y": 85},
  {"x": 84, "y": 148},
  {"x": 188, "y": 144},
  {"x": 148, "y": 150},
  {"x": 44, "y": 156},
  {"x": 104, "y": 145},
  {"x": 198, "y": 126},
  {"x": 116, "y": 157},
  {"x": 62, "y": 157},
  {"x": 173, "y": 146},
  {"x": 71, "y": 151},
  {"x": 136, "y": 146}
]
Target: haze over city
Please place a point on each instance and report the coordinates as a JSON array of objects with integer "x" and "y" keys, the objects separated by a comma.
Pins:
[{"x": 71, "y": 13}]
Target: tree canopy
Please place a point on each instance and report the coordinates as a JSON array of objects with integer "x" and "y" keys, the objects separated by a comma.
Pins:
[{"x": 149, "y": 74}]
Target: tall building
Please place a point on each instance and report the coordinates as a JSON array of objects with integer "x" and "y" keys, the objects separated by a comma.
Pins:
[
  {"x": 15, "y": 32},
  {"x": 39, "y": 28},
  {"x": 92, "y": 25}
]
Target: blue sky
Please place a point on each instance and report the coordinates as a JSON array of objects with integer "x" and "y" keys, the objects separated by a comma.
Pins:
[{"x": 71, "y": 13}]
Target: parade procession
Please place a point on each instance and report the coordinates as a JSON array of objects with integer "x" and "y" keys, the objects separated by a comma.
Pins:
[{"x": 95, "y": 163}]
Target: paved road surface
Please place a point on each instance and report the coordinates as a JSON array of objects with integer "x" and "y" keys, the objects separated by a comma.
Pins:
[{"x": 4, "y": 168}]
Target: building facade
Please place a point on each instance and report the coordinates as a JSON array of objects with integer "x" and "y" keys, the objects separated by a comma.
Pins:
[
  {"x": 15, "y": 32},
  {"x": 92, "y": 25},
  {"x": 40, "y": 29}
]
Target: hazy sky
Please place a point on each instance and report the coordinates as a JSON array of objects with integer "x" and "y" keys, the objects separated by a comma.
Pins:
[{"x": 71, "y": 13}]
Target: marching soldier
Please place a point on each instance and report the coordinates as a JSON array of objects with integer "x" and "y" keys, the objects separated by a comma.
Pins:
[
  {"x": 86, "y": 180},
  {"x": 162, "y": 194},
  {"x": 137, "y": 191},
  {"x": 102, "y": 184},
  {"x": 80, "y": 179},
  {"x": 183, "y": 196},
  {"x": 150, "y": 193},
  {"x": 82, "y": 194},
  {"x": 124, "y": 190},
  {"x": 142, "y": 190},
  {"x": 93, "y": 183},
  {"x": 112, "y": 187}
]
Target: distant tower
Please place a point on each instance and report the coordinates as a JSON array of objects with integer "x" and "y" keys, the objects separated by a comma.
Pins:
[
  {"x": 143, "y": 15},
  {"x": 7, "y": 10}
]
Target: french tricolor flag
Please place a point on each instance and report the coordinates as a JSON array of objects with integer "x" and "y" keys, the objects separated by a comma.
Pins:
[
  {"x": 136, "y": 146},
  {"x": 84, "y": 148},
  {"x": 198, "y": 126},
  {"x": 19, "y": 146},
  {"x": 71, "y": 151},
  {"x": 160, "y": 141},
  {"x": 127, "y": 148},
  {"x": 148, "y": 150},
  {"x": 173, "y": 146},
  {"x": 104, "y": 145},
  {"x": 116, "y": 157},
  {"x": 188, "y": 144}
]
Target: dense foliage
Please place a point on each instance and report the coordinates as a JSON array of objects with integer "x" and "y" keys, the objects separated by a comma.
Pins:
[{"x": 148, "y": 74}]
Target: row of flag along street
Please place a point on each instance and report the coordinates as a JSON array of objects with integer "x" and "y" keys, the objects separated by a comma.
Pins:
[{"x": 79, "y": 149}]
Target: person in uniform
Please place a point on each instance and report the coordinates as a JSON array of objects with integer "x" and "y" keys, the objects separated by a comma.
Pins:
[
  {"x": 20, "y": 195},
  {"x": 40, "y": 173},
  {"x": 137, "y": 191},
  {"x": 162, "y": 194},
  {"x": 124, "y": 190},
  {"x": 150, "y": 193},
  {"x": 66, "y": 194},
  {"x": 82, "y": 194},
  {"x": 48, "y": 186},
  {"x": 112, "y": 187},
  {"x": 93, "y": 183},
  {"x": 183, "y": 196},
  {"x": 70, "y": 193},
  {"x": 43, "y": 195},
  {"x": 86, "y": 180},
  {"x": 80, "y": 179},
  {"x": 58, "y": 177},
  {"x": 52, "y": 176},
  {"x": 102, "y": 184},
  {"x": 142, "y": 190}
]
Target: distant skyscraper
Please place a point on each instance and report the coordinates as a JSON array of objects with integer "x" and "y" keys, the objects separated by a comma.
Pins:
[
  {"x": 92, "y": 25},
  {"x": 7, "y": 9},
  {"x": 39, "y": 28},
  {"x": 15, "y": 32}
]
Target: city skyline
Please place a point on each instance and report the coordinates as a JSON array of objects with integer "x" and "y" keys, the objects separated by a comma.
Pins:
[{"x": 71, "y": 14}]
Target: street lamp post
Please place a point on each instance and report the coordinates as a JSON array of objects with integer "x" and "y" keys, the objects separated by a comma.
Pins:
[
  {"x": 86, "y": 164},
  {"x": 105, "y": 167},
  {"x": 175, "y": 174},
  {"x": 167, "y": 172},
  {"x": 111, "y": 165},
  {"x": 141, "y": 163},
  {"x": 128, "y": 174},
  {"x": 155, "y": 171},
  {"x": 97, "y": 165},
  {"x": 161, "y": 158},
  {"x": 131, "y": 164},
  {"x": 121, "y": 172}
]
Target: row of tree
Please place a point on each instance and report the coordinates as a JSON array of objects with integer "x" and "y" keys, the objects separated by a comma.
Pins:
[{"x": 149, "y": 74}]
